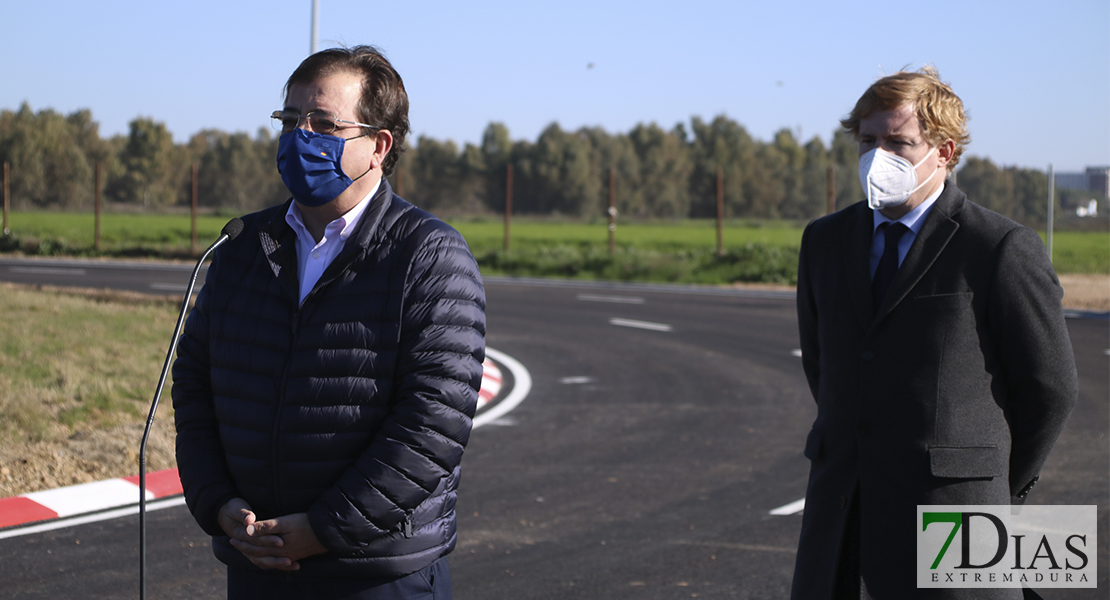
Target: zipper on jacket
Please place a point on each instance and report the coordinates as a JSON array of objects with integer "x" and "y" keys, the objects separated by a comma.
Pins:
[
  {"x": 406, "y": 525},
  {"x": 274, "y": 439}
]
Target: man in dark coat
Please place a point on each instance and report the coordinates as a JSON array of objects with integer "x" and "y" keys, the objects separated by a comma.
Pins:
[
  {"x": 935, "y": 346},
  {"x": 326, "y": 380}
]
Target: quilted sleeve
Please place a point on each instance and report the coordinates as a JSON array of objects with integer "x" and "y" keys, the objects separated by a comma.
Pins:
[{"x": 439, "y": 372}]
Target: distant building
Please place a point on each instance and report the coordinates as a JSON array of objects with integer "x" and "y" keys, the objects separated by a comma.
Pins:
[
  {"x": 1098, "y": 180},
  {"x": 1094, "y": 179}
]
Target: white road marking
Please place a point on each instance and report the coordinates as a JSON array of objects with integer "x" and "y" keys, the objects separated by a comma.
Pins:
[
  {"x": 522, "y": 384},
  {"x": 735, "y": 546},
  {"x": 640, "y": 324},
  {"x": 576, "y": 380},
  {"x": 47, "y": 270},
  {"x": 95, "y": 517},
  {"x": 89, "y": 497},
  {"x": 793, "y": 508},
  {"x": 796, "y": 352},
  {"x": 613, "y": 299},
  {"x": 170, "y": 287}
]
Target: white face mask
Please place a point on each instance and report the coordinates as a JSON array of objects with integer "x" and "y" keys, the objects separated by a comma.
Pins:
[{"x": 889, "y": 179}]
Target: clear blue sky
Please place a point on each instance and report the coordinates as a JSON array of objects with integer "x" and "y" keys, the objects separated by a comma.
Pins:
[{"x": 1034, "y": 76}]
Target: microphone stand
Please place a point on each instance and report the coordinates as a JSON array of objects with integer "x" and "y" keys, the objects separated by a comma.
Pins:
[{"x": 233, "y": 228}]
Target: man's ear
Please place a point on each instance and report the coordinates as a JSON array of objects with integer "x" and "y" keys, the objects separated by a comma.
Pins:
[
  {"x": 383, "y": 143},
  {"x": 946, "y": 151}
]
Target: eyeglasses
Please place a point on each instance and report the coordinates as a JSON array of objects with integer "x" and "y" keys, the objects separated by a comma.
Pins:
[{"x": 320, "y": 122}]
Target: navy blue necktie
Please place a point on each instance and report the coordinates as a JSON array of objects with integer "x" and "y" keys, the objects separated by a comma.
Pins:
[{"x": 888, "y": 264}]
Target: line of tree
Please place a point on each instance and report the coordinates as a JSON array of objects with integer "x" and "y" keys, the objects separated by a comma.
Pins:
[{"x": 658, "y": 173}]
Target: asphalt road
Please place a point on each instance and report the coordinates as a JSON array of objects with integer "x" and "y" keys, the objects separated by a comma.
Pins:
[{"x": 662, "y": 428}]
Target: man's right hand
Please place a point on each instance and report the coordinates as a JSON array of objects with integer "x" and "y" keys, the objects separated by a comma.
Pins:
[{"x": 237, "y": 520}]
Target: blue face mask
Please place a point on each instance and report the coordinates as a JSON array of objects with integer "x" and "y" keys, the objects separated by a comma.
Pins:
[{"x": 310, "y": 165}]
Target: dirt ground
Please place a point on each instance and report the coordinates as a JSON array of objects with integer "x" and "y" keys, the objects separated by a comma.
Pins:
[
  {"x": 94, "y": 455},
  {"x": 1086, "y": 292}
]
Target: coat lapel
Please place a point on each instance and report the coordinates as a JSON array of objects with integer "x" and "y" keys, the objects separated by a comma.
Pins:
[
  {"x": 936, "y": 232},
  {"x": 279, "y": 243}
]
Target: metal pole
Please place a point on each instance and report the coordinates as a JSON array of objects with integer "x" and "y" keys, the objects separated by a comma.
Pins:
[
  {"x": 7, "y": 202},
  {"x": 1051, "y": 206},
  {"x": 508, "y": 202},
  {"x": 315, "y": 27},
  {"x": 720, "y": 212},
  {"x": 612, "y": 211},
  {"x": 96, "y": 203},
  {"x": 193, "y": 247}
]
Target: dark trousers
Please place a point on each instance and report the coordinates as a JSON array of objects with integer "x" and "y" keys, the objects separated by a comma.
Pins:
[{"x": 430, "y": 583}]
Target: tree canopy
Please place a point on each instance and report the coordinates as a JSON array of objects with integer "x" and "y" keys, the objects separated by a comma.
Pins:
[{"x": 657, "y": 172}]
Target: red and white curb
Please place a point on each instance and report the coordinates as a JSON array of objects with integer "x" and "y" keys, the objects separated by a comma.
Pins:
[
  {"x": 491, "y": 383},
  {"x": 110, "y": 494}
]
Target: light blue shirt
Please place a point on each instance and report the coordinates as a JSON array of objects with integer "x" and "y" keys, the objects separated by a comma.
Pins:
[
  {"x": 312, "y": 257},
  {"x": 913, "y": 220}
]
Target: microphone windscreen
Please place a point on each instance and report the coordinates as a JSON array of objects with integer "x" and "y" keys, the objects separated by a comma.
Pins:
[{"x": 233, "y": 228}]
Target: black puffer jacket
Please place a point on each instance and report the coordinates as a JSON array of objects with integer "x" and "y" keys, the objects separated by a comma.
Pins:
[{"x": 354, "y": 407}]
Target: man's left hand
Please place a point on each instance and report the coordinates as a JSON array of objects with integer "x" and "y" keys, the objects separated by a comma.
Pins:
[{"x": 299, "y": 541}]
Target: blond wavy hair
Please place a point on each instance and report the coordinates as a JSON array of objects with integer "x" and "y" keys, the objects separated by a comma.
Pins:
[{"x": 940, "y": 112}]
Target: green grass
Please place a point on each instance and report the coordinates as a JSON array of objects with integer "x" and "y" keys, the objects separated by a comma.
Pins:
[
  {"x": 682, "y": 251},
  {"x": 70, "y": 361},
  {"x": 74, "y": 234},
  {"x": 687, "y": 235},
  {"x": 1080, "y": 252}
]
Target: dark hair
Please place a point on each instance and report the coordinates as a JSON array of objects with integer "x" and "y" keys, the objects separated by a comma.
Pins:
[{"x": 384, "y": 103}]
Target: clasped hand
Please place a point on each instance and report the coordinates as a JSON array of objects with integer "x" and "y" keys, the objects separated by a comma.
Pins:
[{"x": 271, "y": 544}]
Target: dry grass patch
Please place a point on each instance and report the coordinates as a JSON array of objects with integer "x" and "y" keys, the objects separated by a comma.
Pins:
[
  {"x": 1086, "y": 292},
  {"x": 77, "y": 373}
]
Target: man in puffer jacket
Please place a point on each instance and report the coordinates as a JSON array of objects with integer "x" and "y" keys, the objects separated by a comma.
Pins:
[{"x": 327, "y": 377}]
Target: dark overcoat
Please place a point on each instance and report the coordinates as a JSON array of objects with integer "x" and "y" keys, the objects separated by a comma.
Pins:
[{"x": 952, "y": 392}]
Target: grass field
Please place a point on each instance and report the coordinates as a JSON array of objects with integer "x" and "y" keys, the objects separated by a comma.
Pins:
[{"x": 682, "y": 251}]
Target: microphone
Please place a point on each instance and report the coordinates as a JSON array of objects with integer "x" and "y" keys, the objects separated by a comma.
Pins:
[{"x": 230, "y": 231}]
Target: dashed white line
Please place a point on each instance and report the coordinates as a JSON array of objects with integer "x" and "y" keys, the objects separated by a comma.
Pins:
[
  {"x": 613, "y": 299},
  {"x": 46, "y": 271},
  {"x": 793, "y": 508},
  {"x": 169, "y": 287},
  {"x": 640, "y": 324},
  {"x": 575, "y": 380},
  {"x": 796, "y": 352}
]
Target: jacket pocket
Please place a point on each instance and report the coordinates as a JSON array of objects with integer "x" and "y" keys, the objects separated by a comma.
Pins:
[
  {"x": 944, "y": 302},
  {"x": 813, "y": 445},
  {"x": 967, "y": 462}
]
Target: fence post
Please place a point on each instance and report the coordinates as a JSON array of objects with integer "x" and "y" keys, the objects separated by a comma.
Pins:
[
  {"x": 508, "y": 202},
  {"x": 720, "y": 212},
  {"x": 612, "y": 210},
  {"x": 7, "y": 202},
  {"x": 96, "y": 208},
  {"x": 1051, "y": 207},
  {"x": 193, "y": 247}
]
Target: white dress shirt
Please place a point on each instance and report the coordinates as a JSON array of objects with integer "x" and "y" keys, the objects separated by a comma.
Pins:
[
  {"x": 912, "y": 220},
  {"x": 314, "y": 257}
]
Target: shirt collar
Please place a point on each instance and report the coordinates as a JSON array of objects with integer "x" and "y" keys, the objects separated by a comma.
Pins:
[
  {"x": 913, "y": 219},
  {"x": 345, "y": 223}
]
